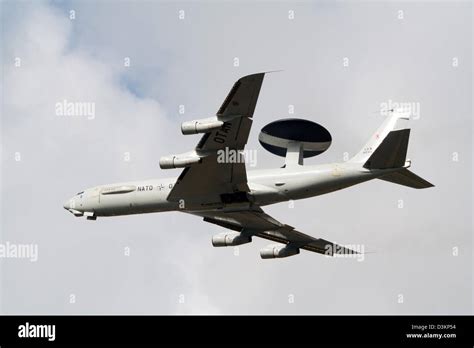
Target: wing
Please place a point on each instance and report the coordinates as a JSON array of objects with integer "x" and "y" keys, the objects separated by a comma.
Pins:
[
  {"x": 257, "y": 223},
  {"x": 222, "y": 177}
]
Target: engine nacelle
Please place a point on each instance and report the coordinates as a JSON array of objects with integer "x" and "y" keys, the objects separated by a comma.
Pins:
[
  {"x": 179, "y": 161},
  {"x": 204, "y": 125},
  {"x": 273, "y": 251},
  {"x": 230, "y": 239}
]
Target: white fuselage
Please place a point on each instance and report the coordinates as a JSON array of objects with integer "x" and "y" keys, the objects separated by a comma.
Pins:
[{"x": 266, "y": 187}]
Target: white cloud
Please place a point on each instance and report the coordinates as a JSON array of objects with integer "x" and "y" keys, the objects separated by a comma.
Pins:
[{"x": 61, "y": 155}]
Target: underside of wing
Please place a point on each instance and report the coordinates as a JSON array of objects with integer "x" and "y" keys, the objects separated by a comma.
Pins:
[
  {"x": 220, "y": 169},
  {"x": 255, "y": 222},
  {"x": 243, "y": 96}
]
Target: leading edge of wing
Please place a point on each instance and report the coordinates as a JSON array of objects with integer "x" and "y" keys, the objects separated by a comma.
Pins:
[{"x": 243, "y": 96}]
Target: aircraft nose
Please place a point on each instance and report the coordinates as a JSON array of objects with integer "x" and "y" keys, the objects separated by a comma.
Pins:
[{"x": 66, "y": 205}]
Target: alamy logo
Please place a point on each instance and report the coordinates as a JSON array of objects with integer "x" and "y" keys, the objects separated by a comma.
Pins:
[
  {"x": 37, "y": 331},
  {"x": 411, "y": 107},
  {"x": 345, "y": 251},
  {"x": 227, "y": 155},
  {"x": 68, "y": 108},
  {"x": 19, "y": 251}
]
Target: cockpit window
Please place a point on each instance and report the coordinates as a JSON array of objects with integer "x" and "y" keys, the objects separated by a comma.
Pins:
[{"x": 79, "y": 193}]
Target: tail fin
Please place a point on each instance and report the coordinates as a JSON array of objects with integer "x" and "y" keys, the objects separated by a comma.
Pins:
[
  {"x": 406, "y": 178},
  {"x": 379, "y": 136},
  {"x": 386, "y": 149},
  {"x": 391, "y": 153}
]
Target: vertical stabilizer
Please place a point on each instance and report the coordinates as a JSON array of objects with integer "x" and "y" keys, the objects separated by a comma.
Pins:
[{"x": 378, "y": 137}]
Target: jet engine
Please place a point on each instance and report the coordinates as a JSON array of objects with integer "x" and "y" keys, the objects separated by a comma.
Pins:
[
  {"x": 179, "y": 161},
  {"x": 273, "y": 251},
  {"x": 204, "y": 125},
  {"x": 230, "y": 239}
]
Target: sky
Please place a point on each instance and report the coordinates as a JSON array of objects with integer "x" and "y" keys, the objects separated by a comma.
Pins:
[{"x": 139, "y": 63}]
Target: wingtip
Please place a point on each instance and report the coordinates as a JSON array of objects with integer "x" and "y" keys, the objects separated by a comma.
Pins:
[
  {"x": 260, "y": 73},
  {"x": 273, "y": 71},
  {"x": 369, "y": 252},
  {"x": 267, "y": 72}
]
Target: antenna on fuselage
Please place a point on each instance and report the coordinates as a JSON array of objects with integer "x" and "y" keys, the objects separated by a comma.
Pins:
[{"x": 294, "y": 139}]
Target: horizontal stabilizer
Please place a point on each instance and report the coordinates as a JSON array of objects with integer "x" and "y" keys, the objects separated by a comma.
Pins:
[
  {"x": 391, "y": 153},
  {"x": 406, "y": 178}
]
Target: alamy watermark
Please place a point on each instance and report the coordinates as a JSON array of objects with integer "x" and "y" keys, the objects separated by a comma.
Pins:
[
  {"x": 237, "y": 156},
  {"x": 411, "y": 107},
  {"x": 346, "y": 251},
  {"x": 19, "y": 251},
  {"x": 69, "y": 108}
]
